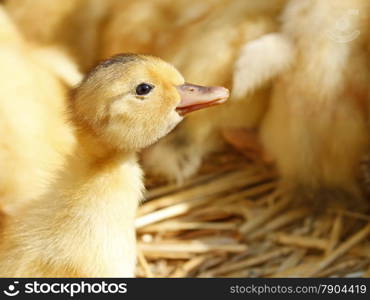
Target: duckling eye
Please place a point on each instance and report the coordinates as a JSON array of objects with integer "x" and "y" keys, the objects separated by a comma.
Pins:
[{"x": 143, "y": 89}]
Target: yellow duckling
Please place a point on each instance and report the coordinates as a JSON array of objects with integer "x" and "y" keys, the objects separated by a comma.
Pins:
[
  {"x": 316, "y": 127},
  {"x": 72, "y": 25},
  {"x": 34, "y": 135},
  {"x": 84, "y": 226}
]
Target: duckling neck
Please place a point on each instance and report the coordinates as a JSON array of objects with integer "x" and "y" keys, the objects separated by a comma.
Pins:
[{"x": 95, "y": 154}]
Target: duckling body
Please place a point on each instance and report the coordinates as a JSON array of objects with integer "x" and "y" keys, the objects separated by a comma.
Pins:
[
  {"x": 84, "y": 225},
  {"x": 83, "y": 228}
]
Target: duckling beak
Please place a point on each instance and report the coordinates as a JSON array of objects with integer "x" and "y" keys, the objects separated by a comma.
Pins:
[{"x": 194, "y": 97}]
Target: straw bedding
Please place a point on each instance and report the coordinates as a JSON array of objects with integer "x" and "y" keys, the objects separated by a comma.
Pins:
[{"x": 231, "y": 220}]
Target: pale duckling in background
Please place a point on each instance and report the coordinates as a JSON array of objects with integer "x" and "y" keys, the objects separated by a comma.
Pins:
[
  {"x": 230, "y": 43},
  {"x": 146, "y": 26},
  {"x": 34, "y": 135},
  {"x": 316, "y": 128},
  {"x": 72, "y": 25},
  {"x": 84, "y": 226}
]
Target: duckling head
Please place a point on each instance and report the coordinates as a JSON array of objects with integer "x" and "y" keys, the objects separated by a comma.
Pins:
[{"x": 130, "y": 100}]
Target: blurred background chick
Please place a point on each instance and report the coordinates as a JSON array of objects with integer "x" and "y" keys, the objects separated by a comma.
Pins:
[
  {"x": 316, "y": 128},
  {"x": 72, "y": 25},
  {"x": 34, "y": 137}
]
